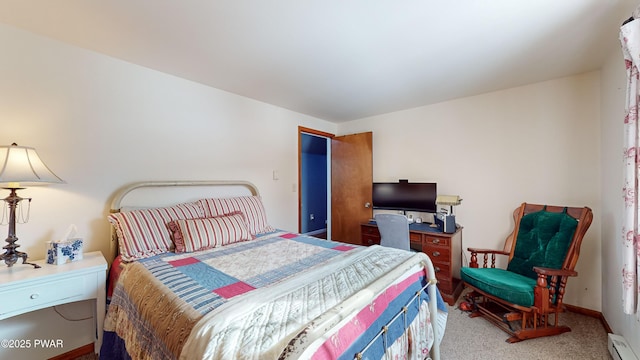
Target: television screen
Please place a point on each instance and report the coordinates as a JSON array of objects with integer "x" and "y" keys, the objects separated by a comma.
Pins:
[{"x": 404, "y": 195}]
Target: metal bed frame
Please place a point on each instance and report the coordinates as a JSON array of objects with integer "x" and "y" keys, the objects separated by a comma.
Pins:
[{"x": 124, "y": 195}]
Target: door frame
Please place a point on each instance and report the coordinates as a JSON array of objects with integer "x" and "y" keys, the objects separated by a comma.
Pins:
[{"x": 304, "y": 130}]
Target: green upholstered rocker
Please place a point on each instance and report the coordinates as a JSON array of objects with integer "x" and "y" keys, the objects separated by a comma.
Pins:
[{"x": 525, "y": 299}]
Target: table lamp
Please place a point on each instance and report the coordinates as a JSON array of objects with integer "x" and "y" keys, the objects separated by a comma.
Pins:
[
  {"x": 448, "y": 200},
  {"x": 20, "y": 166},
  {"x": 446, "y": 219}
]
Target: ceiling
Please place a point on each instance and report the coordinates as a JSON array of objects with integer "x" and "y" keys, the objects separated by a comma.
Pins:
[{"x": 340, "y": 60}]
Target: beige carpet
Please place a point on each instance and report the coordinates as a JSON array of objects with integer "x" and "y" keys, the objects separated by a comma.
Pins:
[{"x": 477, "y": 339}]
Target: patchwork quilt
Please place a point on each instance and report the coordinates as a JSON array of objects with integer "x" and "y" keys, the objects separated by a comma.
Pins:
[{"x": 258, "y": 299}]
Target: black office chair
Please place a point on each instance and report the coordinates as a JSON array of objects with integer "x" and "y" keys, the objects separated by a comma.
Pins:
[{"x": 394, "y": 230}]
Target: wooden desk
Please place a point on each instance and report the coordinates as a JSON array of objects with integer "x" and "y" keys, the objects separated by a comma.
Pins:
[{"x": 445, "y": 251}]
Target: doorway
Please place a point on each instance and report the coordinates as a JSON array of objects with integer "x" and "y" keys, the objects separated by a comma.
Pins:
[
  {"x": 314, "y": 183},
  {"x": 347, "y": 169}
]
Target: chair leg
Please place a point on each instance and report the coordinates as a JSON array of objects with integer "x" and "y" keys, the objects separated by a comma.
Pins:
[
  {"x": 532, "y": 334},
  {"x": 513, "y": 339},
  {"x": 520, "y": 325}
]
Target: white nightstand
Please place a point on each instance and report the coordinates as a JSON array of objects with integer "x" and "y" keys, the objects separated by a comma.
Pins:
[{"x": 24, "y": 289}]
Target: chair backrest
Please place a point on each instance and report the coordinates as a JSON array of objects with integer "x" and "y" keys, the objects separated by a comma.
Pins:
[
  {"x": 547, "y": 236},
  {"x": 394, "y": 230}
]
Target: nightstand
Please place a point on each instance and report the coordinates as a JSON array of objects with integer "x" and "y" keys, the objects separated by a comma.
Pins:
[{"x": 24, "y": 289}]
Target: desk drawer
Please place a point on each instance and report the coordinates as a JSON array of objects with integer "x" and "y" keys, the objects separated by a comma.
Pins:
[
  {"x": 437, "y": 253},
  {"x": 37, "y": 295},
  {"x": 436, "y": 240},
  {"x": 370, "y": 240},
  {"x": 369, "y": 235},
  {"x": 443, "y": 270},
  {"x": 369, "y": 230},
  {"x": 445, "y": 286}
]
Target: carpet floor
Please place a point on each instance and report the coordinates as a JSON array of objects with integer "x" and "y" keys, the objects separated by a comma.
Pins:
[{"x": 474, "y": 339}]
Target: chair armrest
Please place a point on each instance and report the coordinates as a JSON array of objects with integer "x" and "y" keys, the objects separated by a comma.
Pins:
[
  {"x": 486, "y": 252},
  {"x": 554, "y": 272},
  {"x": 550, "y": 294}
]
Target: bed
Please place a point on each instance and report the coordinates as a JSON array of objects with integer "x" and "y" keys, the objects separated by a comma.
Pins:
[{"x": 200, "y": 273}]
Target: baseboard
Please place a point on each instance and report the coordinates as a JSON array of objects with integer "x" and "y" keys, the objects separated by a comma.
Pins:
[
  {"x": 591, "y": 313},
  {"x": 75, "y": 353},
  {"x": 315, "y": 232}
]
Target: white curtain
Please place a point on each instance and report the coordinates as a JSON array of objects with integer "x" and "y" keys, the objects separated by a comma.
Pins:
[{"x": 630, "y": 39}]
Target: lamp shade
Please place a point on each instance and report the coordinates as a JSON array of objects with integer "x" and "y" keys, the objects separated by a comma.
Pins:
[
  {"x": 451, "y": 200},
  {"x": 21, "y": 166}
]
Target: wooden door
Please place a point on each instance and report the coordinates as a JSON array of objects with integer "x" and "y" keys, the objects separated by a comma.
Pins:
[{"x": 351, "y": 183}]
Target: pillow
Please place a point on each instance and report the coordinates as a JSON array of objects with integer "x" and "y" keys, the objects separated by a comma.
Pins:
[
  {"x": 250, "y": 206},
  {"x": 201, "y": 234},
  {"x": 144, "y": 233}
]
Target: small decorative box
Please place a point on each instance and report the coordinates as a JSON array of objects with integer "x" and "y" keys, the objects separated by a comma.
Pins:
[{"x": 62, "y": 252}]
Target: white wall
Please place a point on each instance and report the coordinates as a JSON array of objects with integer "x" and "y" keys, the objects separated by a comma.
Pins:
[
  {"x": 100, "y": 123},
  {"x": 538, "y": 143},
  {"x": 613, "y": 90}
]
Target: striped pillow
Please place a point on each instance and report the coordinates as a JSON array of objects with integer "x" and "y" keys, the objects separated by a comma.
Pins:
[
  {"x": 250, "y": 206},
  {"x": 144, "y": 233},
  {"x": 201, "y": 234}
]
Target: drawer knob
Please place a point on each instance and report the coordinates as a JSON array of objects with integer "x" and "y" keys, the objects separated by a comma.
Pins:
[
  {"x": 435, "y": 241},
  {"x": 436, "y": 253},
  {"x": 437, "y": 269},
  {"x": 34, "y": 296}
]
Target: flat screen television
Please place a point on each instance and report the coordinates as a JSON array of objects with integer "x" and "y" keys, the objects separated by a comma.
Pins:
[{"x": 405, "y": 195}]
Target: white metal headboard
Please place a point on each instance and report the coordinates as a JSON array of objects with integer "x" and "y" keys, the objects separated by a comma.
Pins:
[{"x": 151, "y": 194}]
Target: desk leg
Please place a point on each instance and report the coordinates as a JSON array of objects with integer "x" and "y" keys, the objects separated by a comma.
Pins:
[{"x": 100, "y": 310}]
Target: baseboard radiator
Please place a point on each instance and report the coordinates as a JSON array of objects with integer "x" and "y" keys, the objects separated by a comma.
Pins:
[{"x": 619, "y": 348}]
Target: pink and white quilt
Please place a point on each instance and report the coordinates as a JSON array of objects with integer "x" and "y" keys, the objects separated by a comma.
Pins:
[{"x": 282, "y": 295}]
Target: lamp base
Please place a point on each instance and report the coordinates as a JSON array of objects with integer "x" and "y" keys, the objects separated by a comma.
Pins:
[{"x": 11, "y": 256}]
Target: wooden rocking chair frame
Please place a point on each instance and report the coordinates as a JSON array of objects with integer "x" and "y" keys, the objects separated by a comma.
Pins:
[{"x": 541, "y": 319}]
